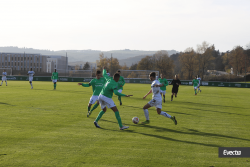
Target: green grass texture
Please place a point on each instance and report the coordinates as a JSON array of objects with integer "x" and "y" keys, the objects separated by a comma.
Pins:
[{"x": 46, "y": 127}]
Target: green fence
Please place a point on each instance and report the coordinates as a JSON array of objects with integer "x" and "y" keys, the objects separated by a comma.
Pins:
[{"x": 130, "y": 80}]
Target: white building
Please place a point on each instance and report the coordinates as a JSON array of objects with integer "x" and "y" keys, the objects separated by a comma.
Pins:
[{"x": 60, "y": 63}]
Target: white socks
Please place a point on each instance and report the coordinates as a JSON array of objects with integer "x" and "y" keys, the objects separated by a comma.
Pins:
[
  {"x": 164, "y": 114},
  {"x": 146, "y": 113}
]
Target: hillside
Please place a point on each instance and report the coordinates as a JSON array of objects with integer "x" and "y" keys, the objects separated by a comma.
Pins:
[{"x": 124, "y": 56}]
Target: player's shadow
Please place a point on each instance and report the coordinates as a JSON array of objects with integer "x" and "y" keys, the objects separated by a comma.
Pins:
[
  {"x": 217, "y": 111},
  {"x": 7, "y": 104},
  {"x": 194, "y": 132},
  {"x": 189, "y": 132},
  {"x": 206, "y": 105},
  {"x": 160, "y": 137}
]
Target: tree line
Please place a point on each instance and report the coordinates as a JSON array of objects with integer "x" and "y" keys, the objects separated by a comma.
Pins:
[{"x": 187, "y": 64}]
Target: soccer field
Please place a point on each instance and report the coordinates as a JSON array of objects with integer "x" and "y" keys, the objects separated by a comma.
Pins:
[{"x": 43, "y": 127}]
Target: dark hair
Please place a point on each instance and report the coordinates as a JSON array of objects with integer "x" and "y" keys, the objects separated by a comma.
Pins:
[
  {"x": 98, "y": 72},
  {"x": 152, "y": 74},
  {"x": 118, "y": 71},
  {"x": 116, "y": 75}
]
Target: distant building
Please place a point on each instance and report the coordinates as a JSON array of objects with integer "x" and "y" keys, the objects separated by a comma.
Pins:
[
  {"x": 23, "y": 61},
  {"x": 38, "y": 63},
  {"x": 60, "y": 63}
]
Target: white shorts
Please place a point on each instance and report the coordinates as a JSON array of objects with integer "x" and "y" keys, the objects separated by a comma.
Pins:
[
  {"x": 30, "y": 79},
  {"x": 156, "y": 103},
  {"x": 120, "y": 90},
  {"x": 105, "y": 101},
  {"x": 93, "y": 99},
  {"x": 4, "y": 79},
  {"x": 195, "y": 87},
  {"x": 54, "y": 80},
  {"x": 163, "y": 92}
]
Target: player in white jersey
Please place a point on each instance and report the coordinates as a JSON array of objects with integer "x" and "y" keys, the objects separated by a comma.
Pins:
[
  {"x": 156, "y": 100},
  {"x": 4, "y": 74},
  {"x": 199, "y": 79},
  {"x": 31, "y": 74}
]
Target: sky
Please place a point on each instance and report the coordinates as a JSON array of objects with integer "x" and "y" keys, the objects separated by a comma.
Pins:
[{"x": 124, "y": 24}]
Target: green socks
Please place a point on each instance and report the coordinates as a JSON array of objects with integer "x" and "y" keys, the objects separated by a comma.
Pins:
[
  {"x": 54, "y": 86},
  {"x": 117, "y": 115},
  {"x": 89, "y": 108},
  {"x": 195, "y": 91},
  {"x": 95, "y": 106},
  {"x": 100, "y": 115}
]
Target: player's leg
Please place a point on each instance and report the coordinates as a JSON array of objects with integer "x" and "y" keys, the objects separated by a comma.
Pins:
[
  {"x": 119, "y": 97},
  {"x": 119, "y": 120},
  {"x": 54, "y": 85},
  {"x": 1, "y": 82},
  {"x": 6, "y": 81},
  {"x": 195, "y": 88},
  {"x": 31, "y": 85},
  {"x": 100, "y": 116},
  {"x": 163, "y": 93},
  {"x": 172, "y": 94},
  {"x": 94, "y": 107},
  {"x": 104, "y": 109},
  {"x": 89, "y": 107},
  {"x": 92, "y": 100},
  {"x": 158, "y": 107},
  {"x": 146, "y": 113}
]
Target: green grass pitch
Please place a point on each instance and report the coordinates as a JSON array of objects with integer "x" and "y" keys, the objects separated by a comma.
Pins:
[{"x": 43, "y": 127}]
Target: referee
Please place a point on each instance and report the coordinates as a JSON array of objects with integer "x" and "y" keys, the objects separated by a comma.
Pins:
[{"x": 175, "y": 82}]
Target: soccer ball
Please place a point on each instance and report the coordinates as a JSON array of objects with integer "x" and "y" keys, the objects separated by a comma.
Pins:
[{"x": 135, "y": 120}]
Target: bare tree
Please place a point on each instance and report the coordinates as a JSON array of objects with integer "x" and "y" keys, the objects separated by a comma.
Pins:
[
  {"x": 204, "y": 57},
  {"x": 188, "y": 62}
]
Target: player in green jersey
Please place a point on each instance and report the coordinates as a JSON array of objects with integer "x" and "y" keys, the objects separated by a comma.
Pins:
[
  {"x": 97, "y": 85},
  {"x": 121, "y": 83},
  {"x": 105, "y": 98},
  {"x": 165, "y": 83},
  {"x": 54, "y": 78},
  {"x": 195, "y": 83}
]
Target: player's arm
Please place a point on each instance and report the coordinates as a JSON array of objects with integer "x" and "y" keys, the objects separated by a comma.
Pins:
[
  {"x": 105, "y": 75},
  {"x": 85, "y": 85},
  {"x": 123, "y": 81},
  {"x": 159, "y": 85},
  {"x": 166, "y": 83},
  {"x": 120, "y": 94},
  {"x": 147, "y": 94}
]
